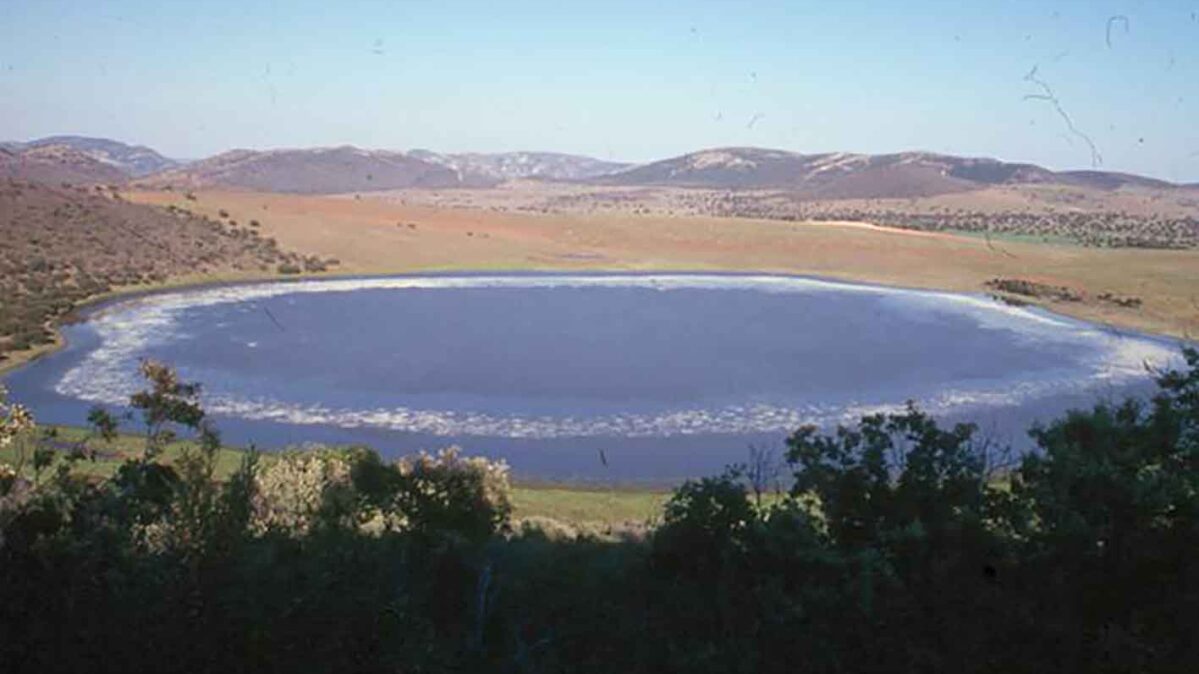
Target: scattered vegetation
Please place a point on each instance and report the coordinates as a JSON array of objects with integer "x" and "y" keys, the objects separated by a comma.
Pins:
[
  {"x": 1099, "y": 229},
  {"x": 1026, "y": 288},
  {"x": 1127, "y": 302},
  {"x": 895, "y": 545},
  {"x": 1009, "y": 287},
  {"x": 64, "y": 245},
  {"x": 1068, "y": 220}
]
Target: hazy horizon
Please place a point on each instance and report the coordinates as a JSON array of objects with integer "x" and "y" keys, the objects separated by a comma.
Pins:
[{"x": 616, "y": 81}]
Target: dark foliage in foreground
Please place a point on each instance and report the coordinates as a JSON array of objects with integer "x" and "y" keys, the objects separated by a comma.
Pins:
[{"x": 899, "y": 547}]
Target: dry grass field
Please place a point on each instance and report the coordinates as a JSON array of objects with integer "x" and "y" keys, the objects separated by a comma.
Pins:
[{"x": 388, "y": 233}]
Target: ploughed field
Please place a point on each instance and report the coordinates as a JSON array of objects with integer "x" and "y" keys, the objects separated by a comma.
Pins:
[{"x": 587, "y": 376}]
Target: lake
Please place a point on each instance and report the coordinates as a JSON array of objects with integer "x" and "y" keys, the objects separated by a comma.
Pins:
[{"x": 594, "y": 377}]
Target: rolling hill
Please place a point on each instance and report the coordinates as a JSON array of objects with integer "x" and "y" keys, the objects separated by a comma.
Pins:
[
  {"x": 350, "y": 169},
  {"x": 499, "y": 167},
  {"x": 855, "y": 176},
  {"x": 132, "y": 160},
  {"x": 56, "y": 164},
  {"x": 823, "y": 176},
  {"x": 308, "y": 171},
  {"x": 61, "y": 245}
]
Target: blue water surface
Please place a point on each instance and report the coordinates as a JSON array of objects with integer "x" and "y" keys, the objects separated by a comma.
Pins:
[{"x": 670, "y": 375}]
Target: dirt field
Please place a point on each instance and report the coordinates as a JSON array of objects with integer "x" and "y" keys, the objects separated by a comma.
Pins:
[{"x": 387, "y": 233}]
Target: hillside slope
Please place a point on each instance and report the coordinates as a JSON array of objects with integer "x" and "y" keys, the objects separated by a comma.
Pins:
[
  {"x": 132, "y": 160},
  {"x": 308, "y": 171},
  {"x": 59, "y": 246},
  {"x": 57, "y": 164},
  {"x": 476, "y": 168},
  {"x": 855, "y": 176}
]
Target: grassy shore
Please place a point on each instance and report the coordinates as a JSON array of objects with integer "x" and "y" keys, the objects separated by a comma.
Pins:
[
  {"x": 15, "y": 359},
  {"x": 571, "y": 504}
]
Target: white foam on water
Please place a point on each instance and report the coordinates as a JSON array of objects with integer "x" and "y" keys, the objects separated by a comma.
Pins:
[{"x": 126, "y": 330}]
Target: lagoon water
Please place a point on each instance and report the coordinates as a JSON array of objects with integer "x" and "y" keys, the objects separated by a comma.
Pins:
[{"x": 668, "y": 375}]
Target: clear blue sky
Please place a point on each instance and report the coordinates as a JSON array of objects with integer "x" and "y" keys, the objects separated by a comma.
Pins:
[{"x": 626, "y": 80}]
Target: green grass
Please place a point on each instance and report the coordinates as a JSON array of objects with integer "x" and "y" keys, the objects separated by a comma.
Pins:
[
  {"x": 565, "y": 503},
  {"x": 110, "y": 455},
  {"x": 1050, "y": 239},
  {"x": 578, "y": 505}
]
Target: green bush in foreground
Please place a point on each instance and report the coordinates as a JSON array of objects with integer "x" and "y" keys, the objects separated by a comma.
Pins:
[{"x": 897, "y": 546}]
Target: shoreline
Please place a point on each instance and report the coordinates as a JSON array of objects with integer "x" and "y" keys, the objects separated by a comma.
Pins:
[
  {"x": 101, "y": 303},
  {"x": 85, "y": 309},
  {"x": 574, "y": 503},
  {"x": 382, "y": 235},
  {"x": 80, "y": 312}
]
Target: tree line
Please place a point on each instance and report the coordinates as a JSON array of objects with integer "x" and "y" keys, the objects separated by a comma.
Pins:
[{"x": 895, "y": 545}]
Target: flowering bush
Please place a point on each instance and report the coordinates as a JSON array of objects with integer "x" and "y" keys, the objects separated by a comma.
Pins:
[
  {"x": 294, "y": 489},
  {"x": 299, "y": 490},
  {"x": 447, "y": 490},
  {"x": 14, "y": 420}
]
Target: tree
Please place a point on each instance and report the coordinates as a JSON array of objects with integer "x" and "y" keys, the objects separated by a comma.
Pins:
[
  {"x": 1109, "y": 508},
  {"x": 894, "y": 477}
]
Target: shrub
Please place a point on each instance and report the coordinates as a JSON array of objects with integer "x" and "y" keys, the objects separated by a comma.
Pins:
[
  {"x": 897, "y": 548},
  {"x": 428, "y": 494},
  {"x": 705, "y": 526},
  {"x": 354, "y": 489},
  {"x": 14, "y": 420},
  {"x": 299, "y": 490}
]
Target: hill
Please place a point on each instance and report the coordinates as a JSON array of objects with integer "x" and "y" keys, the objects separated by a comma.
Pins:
[
  {"x": 61, "y": 245},
  {"x": 57, "y": 164},
  {"x": 1110, "y": 180},
  {"x": 351, "y": 169},
  {"x": 855, "y": 176},
  {"x": 822, "y": 176},
  {"x": 308, "y": 171},
  {"x": 132, "y": 160},
  {"x": 499, "y": 167}
]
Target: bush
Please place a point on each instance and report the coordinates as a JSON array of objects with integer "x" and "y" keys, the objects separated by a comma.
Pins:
[
  {"x": 429, "y": 494},
  {"x": 297, "y": 491},
  {"x": 706, "y": 524},
  {"x": 899, "y": 546}
]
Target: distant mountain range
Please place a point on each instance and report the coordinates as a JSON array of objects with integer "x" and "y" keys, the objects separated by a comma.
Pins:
[
  {"x": 849, "y": 176},
  {"x": 500, "y": 167},
  {"x": 52, "y": 164},
  {"x": 131, "y": 160},
  {"x": 323, "y": 170},
  {"x": 350, "y": 169},
  {"x": 79, "y": 159}
]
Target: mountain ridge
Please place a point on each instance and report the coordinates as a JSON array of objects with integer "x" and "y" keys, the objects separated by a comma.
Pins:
[
  {"x": 346, "y": 168},
  {"x": 134, "y": 160},
  {"x": 853, "y": 175},
  {"x": 53, "y": 164}
]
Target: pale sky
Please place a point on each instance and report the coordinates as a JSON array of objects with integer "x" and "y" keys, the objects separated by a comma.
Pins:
[{"x": 632, "y": 81}]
